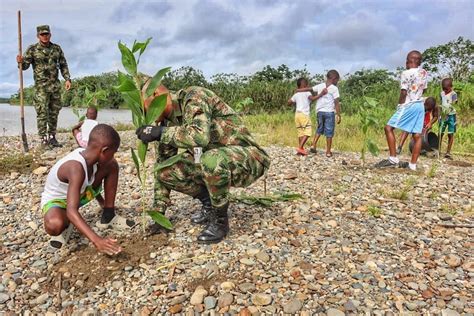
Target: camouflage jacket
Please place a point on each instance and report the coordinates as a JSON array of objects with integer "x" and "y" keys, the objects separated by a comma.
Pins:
[
  {"x": 207, "y": 122},
  {"x": 46, "y": 61}
]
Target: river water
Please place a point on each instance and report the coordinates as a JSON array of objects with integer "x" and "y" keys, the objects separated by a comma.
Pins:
[{"x": 10, "y": 123}]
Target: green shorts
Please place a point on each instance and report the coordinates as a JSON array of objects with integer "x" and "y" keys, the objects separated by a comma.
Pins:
[
  {"x": 450, "y": 123},
  {"x": 88, "y": 195}
]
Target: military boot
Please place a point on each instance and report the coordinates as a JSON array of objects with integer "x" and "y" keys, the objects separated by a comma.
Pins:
[
  {"x": 53, "y": 142},
  {"x": 218, "y": 226},
  {"x": 202, "y": 216}
]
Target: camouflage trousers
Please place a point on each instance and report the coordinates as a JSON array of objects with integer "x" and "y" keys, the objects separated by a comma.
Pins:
[
  {"x": 219, "y": 169},
  {"x": 47, "y": 105}
]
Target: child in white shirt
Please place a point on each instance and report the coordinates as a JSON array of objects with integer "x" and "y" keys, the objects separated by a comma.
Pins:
[
  {"x": 410, "y": 112},
  {"x": 328, "y": 109},
  {"x": 302, "y": 118},
  {"x": 82, "y": 130}
]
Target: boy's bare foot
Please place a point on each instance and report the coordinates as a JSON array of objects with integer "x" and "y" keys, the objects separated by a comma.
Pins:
[
  {"x": 329, "y": 154},
  {"x": 448, "y": 156}
]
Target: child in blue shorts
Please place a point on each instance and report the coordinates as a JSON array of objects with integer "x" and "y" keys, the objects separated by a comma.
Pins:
[{"x": 448, "y": 99}]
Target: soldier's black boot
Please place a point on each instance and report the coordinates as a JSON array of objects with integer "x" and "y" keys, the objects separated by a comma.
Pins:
[
  {"x": 202, "y": 216},
  {"x": 217, "y": 228},
  {"x": 53, "y": 141}
]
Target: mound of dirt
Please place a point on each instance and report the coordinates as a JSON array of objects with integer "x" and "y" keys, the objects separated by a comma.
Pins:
[{"x": 92, "y": 268}]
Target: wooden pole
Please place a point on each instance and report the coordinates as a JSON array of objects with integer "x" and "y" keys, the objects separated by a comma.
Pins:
[{"x": 20, "y": 71}]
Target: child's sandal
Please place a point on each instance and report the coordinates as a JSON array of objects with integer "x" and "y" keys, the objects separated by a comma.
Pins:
[{"x": 58, "y": 241}]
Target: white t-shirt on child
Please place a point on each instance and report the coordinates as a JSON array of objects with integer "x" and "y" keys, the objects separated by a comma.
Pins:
[
  {"x": 326, "y": 103},
  {"x": 302, "y": 102},
  {"x": 86, "y": 128},
  {"x": 414, "y": 81}
]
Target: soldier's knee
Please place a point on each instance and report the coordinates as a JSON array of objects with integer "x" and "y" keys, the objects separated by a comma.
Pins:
[
  {"x": 164, "y": 175},
  {"x": 212, "y": 160}
]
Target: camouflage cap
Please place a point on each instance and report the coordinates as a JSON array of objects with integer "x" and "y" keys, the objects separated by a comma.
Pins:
[{"x": 42, "y": 29}]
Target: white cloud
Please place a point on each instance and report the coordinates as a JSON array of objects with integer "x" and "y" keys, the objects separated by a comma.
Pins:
[{"x": 232, "y": 36}]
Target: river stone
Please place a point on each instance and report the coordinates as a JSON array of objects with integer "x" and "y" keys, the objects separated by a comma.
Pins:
[
  {"x": 261, "y": 299},
  {"x": 247, "y": 261},
  {"x": 198, "y": 296},
  {"x": 453, "y": 261},
  {"x": 210, "y": 302},
  {"x": 246, "y": 287},
  {"x": 449, "y": 312},
  {"x": 292, "y": 306},
  {"x": 227, "y": 286},
  {"x": 42, "y": 298},
  {"x": 334, "y": 312},
  {"x": 262, "y": 256},
  {"x": 4, "y": 297},
  {"x": 225, "y": 300},
  {"x": 40, "y": 170}
]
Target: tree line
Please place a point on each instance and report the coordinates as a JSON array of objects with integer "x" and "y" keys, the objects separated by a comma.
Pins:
[{"x": 268, "y": 90}]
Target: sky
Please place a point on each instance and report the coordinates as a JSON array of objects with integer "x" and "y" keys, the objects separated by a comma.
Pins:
[{"x": 232, "y": 36}]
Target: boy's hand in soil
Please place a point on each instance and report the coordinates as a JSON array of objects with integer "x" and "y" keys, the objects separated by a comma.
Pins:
[{"x": 108, "y": 246}]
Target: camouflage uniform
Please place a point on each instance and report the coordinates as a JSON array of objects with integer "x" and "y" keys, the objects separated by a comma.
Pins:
[
  {"x": 230, "y": 155},
  {"x": 46, "y": 61}
]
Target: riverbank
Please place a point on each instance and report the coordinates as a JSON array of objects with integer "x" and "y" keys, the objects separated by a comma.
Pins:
[{"x": 361, "y": 241}]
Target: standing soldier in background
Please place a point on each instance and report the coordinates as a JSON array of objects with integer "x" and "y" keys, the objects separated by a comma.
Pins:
[
  {"x": 218, "y": 152},
  {"x": 46, "y": 58}
]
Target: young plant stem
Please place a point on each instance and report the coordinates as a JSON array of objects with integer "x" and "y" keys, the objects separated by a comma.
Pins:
[{"x": 143, "y": 196}]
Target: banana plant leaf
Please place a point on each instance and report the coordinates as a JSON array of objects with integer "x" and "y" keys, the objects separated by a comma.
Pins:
[
  {"x": 155, "y": 109},
  {"x": 160, "y": 219},
  {"x": 155, "y": 81}
]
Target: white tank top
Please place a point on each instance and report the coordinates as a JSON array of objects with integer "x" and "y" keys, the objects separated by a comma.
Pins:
[{"x": 55, "y": 188}]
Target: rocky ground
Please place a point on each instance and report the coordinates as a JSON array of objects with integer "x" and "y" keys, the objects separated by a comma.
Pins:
[{"x": 361, "y": 241}]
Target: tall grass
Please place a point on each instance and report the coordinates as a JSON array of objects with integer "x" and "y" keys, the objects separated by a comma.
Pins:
[{"x": 279, "y": 129}]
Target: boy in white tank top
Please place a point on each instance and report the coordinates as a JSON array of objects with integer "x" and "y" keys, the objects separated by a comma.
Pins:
[{"x": 77, "y": 179}]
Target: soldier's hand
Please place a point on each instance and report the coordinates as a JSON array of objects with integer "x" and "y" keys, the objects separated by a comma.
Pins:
[
  {"x": 149, "y": 133},
  {"x": 19, "y": 58},
  {"x": 67, "y": 85}
]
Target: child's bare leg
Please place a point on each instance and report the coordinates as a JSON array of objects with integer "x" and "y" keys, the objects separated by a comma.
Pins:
[
  {"x": 416, "y": 148},
  {"x": 328, "y": 145},
  {"x": 403, "y": 138},
  {"x": 108, "y": 174},
  {"x": 390, "y": 135},
  {"x": 450, "y": 143},
  {"x": 74, "y": 133},
  {"x": 303, "y": 140},
  {"x": 315, "y": 140},
  {"x": 55, "y": 221}
]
